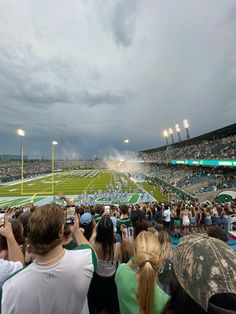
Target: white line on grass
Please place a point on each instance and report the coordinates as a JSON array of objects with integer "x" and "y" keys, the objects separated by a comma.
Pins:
[
  {"x": 85, "y": 190},
  {"x": 3, "y": 203}
]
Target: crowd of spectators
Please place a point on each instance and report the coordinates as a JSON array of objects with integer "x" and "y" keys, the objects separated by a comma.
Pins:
[
  {"x": 12, "y": 170},
  {"x": 224, "y": 148},
  {"x": 31, "y": 169},
  {"x": 195, "y": 179},
  {"x": 117, "y": 259}
]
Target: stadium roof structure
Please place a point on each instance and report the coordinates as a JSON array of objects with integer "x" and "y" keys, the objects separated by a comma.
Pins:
[{"x": 210, "y": 136}]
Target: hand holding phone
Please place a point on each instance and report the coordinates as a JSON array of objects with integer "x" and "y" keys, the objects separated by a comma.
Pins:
[
  {"x": 70, "y": 215},
  {"x": 6, "y": 228}
]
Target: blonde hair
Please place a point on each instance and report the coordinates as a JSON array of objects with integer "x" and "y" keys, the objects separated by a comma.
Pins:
[
  {"x": 147, "y": 252},
  {"x": 166, "y": 246}
]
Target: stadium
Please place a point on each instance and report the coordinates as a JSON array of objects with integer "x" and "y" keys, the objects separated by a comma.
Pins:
[
  {"x": 204, "y": 170},
  {"x": 117, "y": 157}
]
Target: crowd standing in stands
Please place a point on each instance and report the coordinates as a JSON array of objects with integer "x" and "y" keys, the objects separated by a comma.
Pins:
[
  {"x": 124, "y": 262},
  {"x": 224, "y": 148},
  {"x": 195, "y": 179}
]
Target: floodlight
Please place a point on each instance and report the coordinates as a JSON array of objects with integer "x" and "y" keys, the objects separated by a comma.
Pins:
[
  {"x": 54, "y": 142},
  {"x": 177, "y": 128},
  {"x": 186, "y": 125},
  {"x": 126, "y": 141},
  {"x": 165, "y": 133},
  {"x": 21, "y": 132},
  {"x": 171, "y": 135}
]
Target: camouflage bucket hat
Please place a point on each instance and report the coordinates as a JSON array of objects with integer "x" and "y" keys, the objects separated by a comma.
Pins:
[{"x": 205, "y": 266}]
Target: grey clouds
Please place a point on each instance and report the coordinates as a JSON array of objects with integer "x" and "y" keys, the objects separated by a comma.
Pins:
[{"x": 92, "y": 73}]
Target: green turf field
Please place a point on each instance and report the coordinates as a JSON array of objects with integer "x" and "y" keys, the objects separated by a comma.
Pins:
[
  {"x": 76, "y": 182},
  {"x": 71, "y": 182},
  {"x": 155, "y": 192}
]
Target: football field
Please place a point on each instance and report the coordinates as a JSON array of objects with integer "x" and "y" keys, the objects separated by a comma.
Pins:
[{"x": 89, "y": 186}]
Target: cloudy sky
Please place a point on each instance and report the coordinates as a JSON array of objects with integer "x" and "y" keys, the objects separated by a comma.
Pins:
[{"x": 92, "y": 73}]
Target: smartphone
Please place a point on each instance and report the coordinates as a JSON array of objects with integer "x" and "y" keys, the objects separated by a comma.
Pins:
[
  {"x": 107, "y": 209},
  {"x": 2, "y": 219},
  {"x": 70, "y": 215}
]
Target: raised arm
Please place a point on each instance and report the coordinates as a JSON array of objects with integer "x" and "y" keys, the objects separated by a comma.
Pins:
[
  {"x": 66, "y": 199},
  {"x": 80, "y": 238},
  {"x": 14, "y": 251}
]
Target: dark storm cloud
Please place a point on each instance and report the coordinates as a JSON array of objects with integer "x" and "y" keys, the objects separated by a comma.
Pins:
[
  {"x": 97, "y": 72},
  {"x": 123, "y": 22},
  {"x": 102, "y": 98},
  {"x": 29, "y": 84}
]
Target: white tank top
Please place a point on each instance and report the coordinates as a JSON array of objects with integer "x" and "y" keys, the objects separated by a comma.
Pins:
[
  {"x": 185, "y": 221},
  {"x": 107, "y": 268}
]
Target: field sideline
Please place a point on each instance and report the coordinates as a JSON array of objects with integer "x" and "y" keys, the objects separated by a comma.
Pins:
[{"x": 76, "y": 183}]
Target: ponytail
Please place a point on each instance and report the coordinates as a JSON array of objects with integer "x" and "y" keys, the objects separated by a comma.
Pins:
[
  {"x": 147, "y": 259},
  {"x": 146, "y": 288}
]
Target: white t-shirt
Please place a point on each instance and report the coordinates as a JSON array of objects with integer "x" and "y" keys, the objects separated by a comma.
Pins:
[
  {"x": 7, "y": 268},
  {"x": 61, "y": 288},
  {"x": 166, "y": 215}
]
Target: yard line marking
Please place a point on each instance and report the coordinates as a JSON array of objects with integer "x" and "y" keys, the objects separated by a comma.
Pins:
[
  {"x": 85, "y": 190},
  {"x": 3, "y": 203}
]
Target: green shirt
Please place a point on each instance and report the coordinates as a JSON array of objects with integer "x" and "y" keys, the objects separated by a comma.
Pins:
[
  {"x": 126, "y": 283},
  {"x": 71, "y": 245},
  {"x": 96, "y": 217},
  {"x": 123, "y": 221}
]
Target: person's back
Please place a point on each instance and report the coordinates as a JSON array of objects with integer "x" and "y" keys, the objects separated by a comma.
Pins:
[
  {"x": 124, "y": 219},
  {"x": 58, "y": 280},
  {"x": 107, "y": 267},
  {"x": 127, "y": 287},
  {"x": 61, "y": 288},
  {"x": 103, "y": 293},
  {"x": 136, "y": 282}
]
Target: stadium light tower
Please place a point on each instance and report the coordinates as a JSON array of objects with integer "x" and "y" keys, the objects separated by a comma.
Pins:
[
  {"x": 171, "y": 135},
  {"x": 177, "y": 129},
  {"x": 186, "y": 126},
  {"x": 21, "y": 134},
  {"x": 165, "y": 134},
  {"x": 53, "y": 163}
]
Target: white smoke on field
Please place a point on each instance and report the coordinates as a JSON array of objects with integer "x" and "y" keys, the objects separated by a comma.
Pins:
[
  {"x": 125, "y": 162},
  {"x": 69, "y": 154}
]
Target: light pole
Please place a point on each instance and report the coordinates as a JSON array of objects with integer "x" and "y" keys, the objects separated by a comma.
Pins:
[
  {"x": 186, "y": 126},
  {"x": 177, "y": 129},
  {"x": 165, "y": 134},
  {"x": 21, "y": 133},
  {"x": 53, "y": 162},
  {"x": 171, "y": 135}
]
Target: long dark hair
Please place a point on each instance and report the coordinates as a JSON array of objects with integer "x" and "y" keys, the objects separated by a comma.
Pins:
[
  {"x": 105, "y": 236},
  {"x": 139, "y": 222}
]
